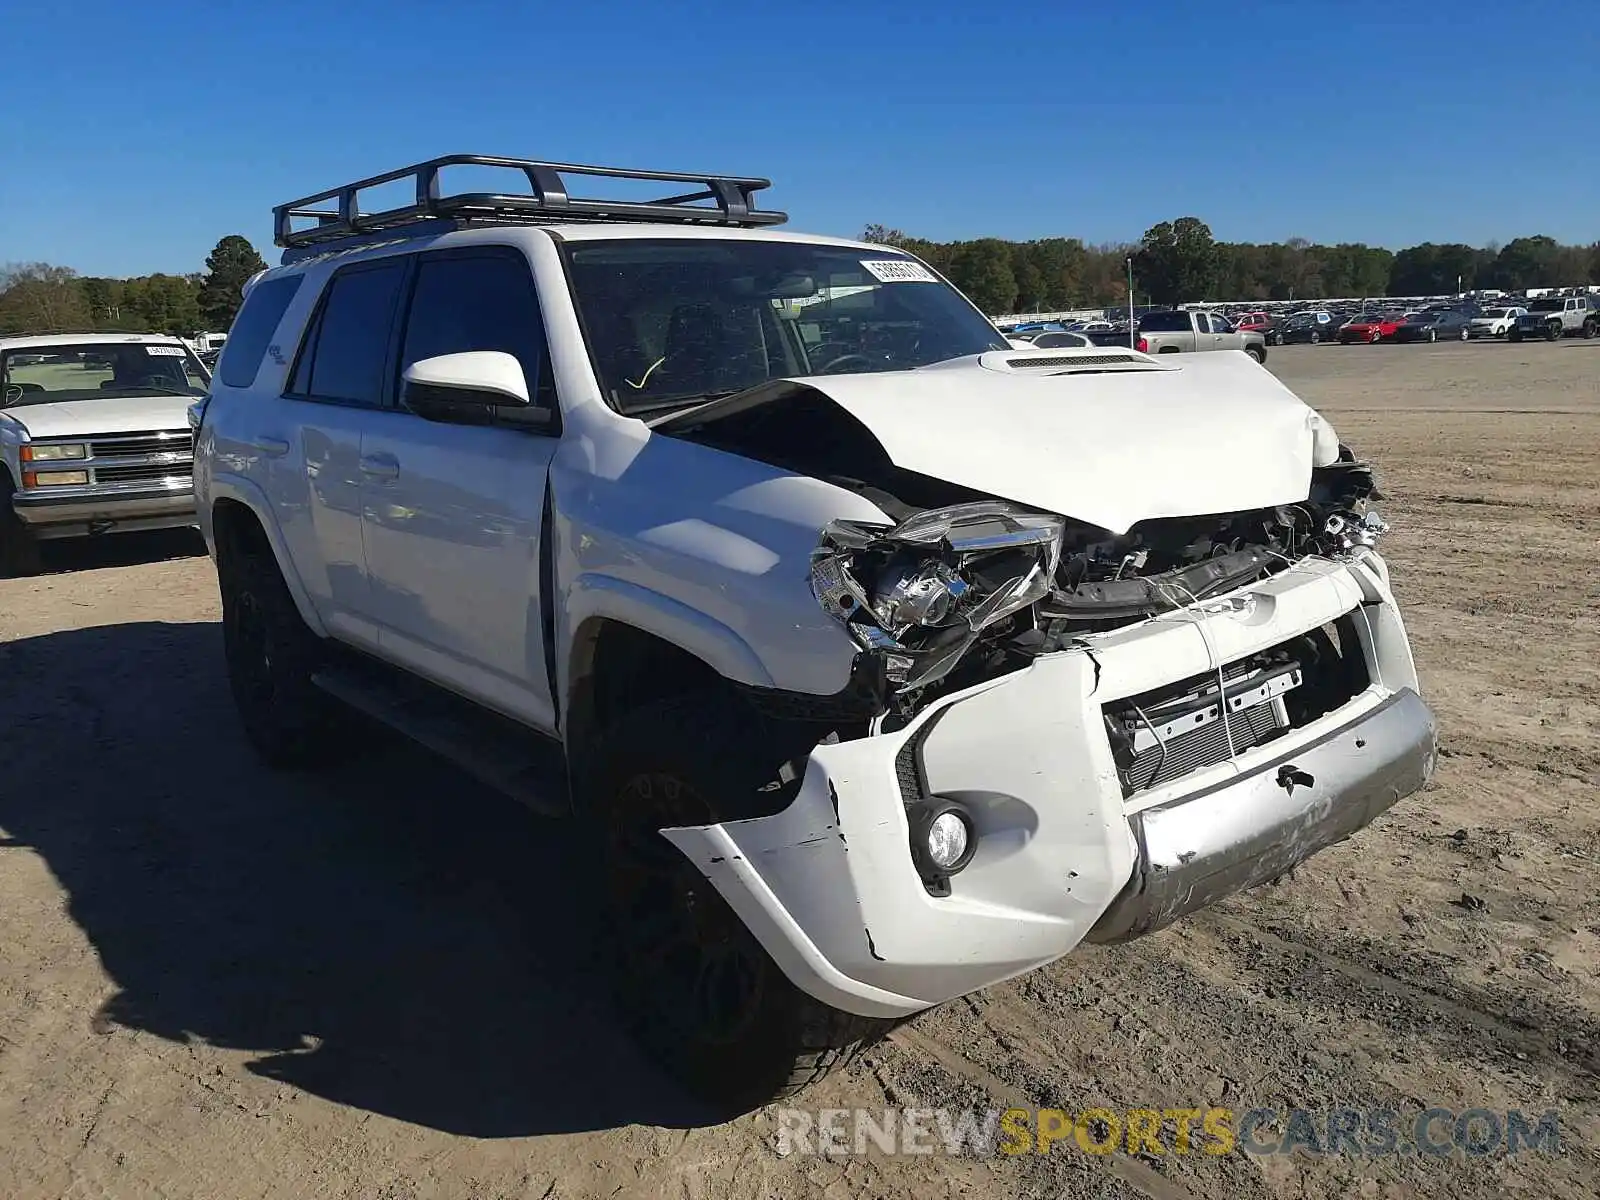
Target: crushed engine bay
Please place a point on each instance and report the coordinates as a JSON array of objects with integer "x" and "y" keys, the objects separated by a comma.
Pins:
[{"x": 954, "y": 595}]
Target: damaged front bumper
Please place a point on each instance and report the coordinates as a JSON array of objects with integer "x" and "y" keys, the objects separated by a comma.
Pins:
[{"x": 1065, "y": 853}]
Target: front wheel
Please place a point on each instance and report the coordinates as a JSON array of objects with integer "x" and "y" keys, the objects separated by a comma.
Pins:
[
  {"x": 1465, "y": 333},
  {"x": 1315, "y": 337},
  {"x": 1433, "y": 336},
  {"x": 1514, "y": 335},
  {"x": 1552, "y": 331},
  {"x": 698, "y": 991},
  {"x": 1376, "y": 337}
]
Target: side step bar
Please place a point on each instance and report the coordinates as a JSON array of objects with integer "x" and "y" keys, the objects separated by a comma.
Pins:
[{"x": 511, "y": 758}]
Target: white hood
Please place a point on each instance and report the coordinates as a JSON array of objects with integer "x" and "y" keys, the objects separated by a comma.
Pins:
[
  {"x": 84, "y": 418},
  {"x": 1214, "y": 434}
]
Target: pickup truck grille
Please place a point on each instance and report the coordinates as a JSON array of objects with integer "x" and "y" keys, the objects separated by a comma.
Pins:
[
  {"x": 143, "y": 472},
  {"x": 1169, "y": 732},
  {"x": 129, "y": 445}
]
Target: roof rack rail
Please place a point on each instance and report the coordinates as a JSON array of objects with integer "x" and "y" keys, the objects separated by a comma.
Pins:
[{"x": 548, "y": 199}]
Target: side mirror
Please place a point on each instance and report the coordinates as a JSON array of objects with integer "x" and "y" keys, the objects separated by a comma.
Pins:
[{"x": 466, "y": 388}]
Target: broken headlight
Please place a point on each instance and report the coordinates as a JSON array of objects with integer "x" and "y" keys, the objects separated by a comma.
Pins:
[{"x": 921, "y": 591}]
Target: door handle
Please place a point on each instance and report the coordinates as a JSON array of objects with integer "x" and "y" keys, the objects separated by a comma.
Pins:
[
  {"x": 380, "y": 466},
  {"x": 272, "y": 447}
]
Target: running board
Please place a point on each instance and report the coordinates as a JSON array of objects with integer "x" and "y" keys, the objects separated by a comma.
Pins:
[{"x": 510, "y": 758}]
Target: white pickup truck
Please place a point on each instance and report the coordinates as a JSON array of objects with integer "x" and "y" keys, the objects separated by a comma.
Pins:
[
  {"x": 93, "y": 437},
  {"x": 878, "y": 660}
]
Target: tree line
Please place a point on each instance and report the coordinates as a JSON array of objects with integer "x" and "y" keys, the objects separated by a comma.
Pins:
[
  {"x": 1180, "y": 261},
  {"x": 44, "y": 298}
]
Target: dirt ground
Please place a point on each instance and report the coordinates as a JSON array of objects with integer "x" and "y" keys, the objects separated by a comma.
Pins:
[{"x": 219, "y": 983}]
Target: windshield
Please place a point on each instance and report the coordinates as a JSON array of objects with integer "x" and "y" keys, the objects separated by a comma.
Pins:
[
  {"x": 1545, "y": 306},
  {"x": 97, "y": 371},
  {"x": 675, "y": 320},
  {"x": 1496, "y": 313}
]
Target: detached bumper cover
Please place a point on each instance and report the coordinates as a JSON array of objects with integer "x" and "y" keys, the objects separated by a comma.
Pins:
[
  {"x": 1210, "y": 845},
  {"x": 828, "y": 885}
]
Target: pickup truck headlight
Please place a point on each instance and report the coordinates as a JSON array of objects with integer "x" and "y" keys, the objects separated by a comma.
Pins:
[
  {"x": 920, "y": 592},
  {"x": 54, "y": 478},
  {"x": 58, "y": 452}
]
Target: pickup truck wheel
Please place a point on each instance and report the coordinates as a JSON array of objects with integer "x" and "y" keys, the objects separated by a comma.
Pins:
[
  {"x": 1256, "y": 352},
  {"x": 19, "y": 552},
  {"x": 696, "y": 988},
  {"x": 271, "y": 656}
]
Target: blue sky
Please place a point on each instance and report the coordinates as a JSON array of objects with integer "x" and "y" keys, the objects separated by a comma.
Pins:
[{"x": 135, "y": 135}]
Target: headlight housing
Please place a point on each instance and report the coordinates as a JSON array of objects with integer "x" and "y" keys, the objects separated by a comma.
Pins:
[
  {"x": 54, "y": 452},
  {"x": 920, "y": 592}
]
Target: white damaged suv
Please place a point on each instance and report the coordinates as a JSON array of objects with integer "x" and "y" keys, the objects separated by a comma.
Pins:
[{"x": 880, "y": 660}]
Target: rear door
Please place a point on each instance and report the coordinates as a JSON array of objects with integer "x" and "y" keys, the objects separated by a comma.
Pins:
[
  {"x": 453, "y": 514},
  {"x": 309, "y": 440}
]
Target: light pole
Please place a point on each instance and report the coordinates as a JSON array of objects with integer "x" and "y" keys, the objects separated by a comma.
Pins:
[{"x": 1132, "y": 325}]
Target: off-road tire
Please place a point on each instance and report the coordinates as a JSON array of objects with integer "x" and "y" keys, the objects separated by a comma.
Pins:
[
  {"x": 271, "y": 656},
  {"x": 692, "y": 760},
  {"x": 19, "y": 551},
  {"x": 1552, "y": 331},
  {"x": 1591, "y": 328}
]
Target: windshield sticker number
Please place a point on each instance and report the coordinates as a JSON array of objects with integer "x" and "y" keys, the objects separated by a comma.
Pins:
[
  {"x": 164, "y": 351},
  {"x": 897, "y": 270}
]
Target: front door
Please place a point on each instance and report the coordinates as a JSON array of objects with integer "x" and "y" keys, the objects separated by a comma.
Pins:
[{"x": 453, "y": 514}]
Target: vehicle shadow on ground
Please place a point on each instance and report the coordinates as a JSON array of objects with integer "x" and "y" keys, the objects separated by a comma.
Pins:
[
  {"x": 59, "y": 555},
  {"x": 385, "y": 935}
]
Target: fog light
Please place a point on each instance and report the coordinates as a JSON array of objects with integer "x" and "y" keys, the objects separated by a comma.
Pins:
[
  {"x": 54, "y": 478},
  {"x": 942, "y": 841},
  {"x": 948, "y": 839}
]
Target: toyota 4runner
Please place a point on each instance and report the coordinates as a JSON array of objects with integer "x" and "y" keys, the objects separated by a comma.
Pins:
[
  {"x": 878, "y": 660},
  {"x": 93, "y": 437}
]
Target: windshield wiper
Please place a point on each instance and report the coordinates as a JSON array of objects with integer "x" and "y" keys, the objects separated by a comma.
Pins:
[{"x": 680, "y": 402}]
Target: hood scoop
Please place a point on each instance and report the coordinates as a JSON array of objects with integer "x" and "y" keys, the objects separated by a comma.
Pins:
[{"x": 1059, "y": 362}]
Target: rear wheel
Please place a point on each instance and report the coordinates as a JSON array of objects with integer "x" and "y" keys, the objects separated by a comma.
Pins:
[
  {"x": 1256, "y": 352},
  {"x": 1433, "y": 335},
  {"x": 19, "y": 552},
  {"x": 1465, "y": 333},
  {"x": 697, "y": 990},
  {"x": 1315, "y": 337},
  {"x": 271, "y": 656},
  {"x": 1591, "y": 328}
]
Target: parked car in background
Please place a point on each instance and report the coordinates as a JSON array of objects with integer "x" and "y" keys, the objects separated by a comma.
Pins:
[
  {"x": 1494, "y": 322},
  {"x": 1061, "y": 340},
  {"x": 1308, "y": 328},
  {"x": 94, "y": 438},
  {"x": 1259, "y": 322},
  {"x": 1370, "y": 327},
  {"x": 1439, "y": 324},
  {"x": 1555, "y": 317}
]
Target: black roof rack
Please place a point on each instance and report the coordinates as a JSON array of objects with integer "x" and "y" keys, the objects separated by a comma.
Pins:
[{"x": 548, "y": 199}]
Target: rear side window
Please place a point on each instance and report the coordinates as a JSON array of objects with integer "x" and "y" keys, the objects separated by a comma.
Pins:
[
  {"x": 253, "y": 329},
  {"x": 1165, "y": 322},
  {"x": 344, "y": 355}
]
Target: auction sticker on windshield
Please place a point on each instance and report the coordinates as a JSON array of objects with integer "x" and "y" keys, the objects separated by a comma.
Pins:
[
  {"x": 897, "y": 270},
  {"x": 167, "y": 351}
]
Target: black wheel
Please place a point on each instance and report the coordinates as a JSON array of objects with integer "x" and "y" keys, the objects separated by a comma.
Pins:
[
  {"x": 19, "y": 552},
  {"x": 1591, "y": 328},
  {"x": 1552, "y": 331},
  {"x": 697, "y": 990},
  {"x": 1514, "y": 334},
  {"x": 271, "y": 657},
  {"x": 1257, "y": 353}
]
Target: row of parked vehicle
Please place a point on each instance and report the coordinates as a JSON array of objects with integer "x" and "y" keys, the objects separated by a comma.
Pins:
[
  {"x": 1546, "y": 317},
  {"x": 1549, "y": 318}
]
